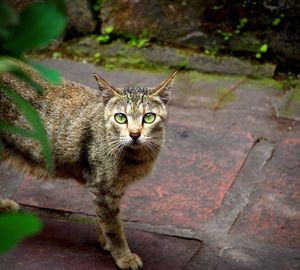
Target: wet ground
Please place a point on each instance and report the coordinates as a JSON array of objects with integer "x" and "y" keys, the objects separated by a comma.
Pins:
[{"x": 225, "y": 193}]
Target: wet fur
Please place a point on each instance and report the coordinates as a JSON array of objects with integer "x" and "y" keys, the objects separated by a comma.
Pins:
[{"x": 89, "y": 146}]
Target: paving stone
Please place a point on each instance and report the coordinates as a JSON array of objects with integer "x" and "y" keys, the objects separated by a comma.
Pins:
[
  {"x": 68, "y": 246},
  {"x": 195, "y": 170},
  {"x": 288, "y": 106},
  {"x": 241, "y": 259},
  {"x": 273, "y": 214}
]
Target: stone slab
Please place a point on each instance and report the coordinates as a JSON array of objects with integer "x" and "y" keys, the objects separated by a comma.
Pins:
[
  {"x": 273, "y": 213},
  {"x": 241, "y": 259},
  {"x": 288, "y": 106},
  {"x": 68, "y": 246},
  {"x": 195, "y": 170}
]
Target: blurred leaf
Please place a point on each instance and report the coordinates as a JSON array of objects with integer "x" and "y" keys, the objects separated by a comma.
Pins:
[
  {"x": 9, "y": 65},
  {"x": 103, "y": 38},
  {"x": 26, "y": 78},
  {"x": 39, "y": 24},
  {"x": 276, "y": 21},
  {"x": 263, "y": 48},
  {"x": 6, "y": 64},
  {"x": 109, "y": 29},
  {"x": 8, "y": 18},
  {"x": 51, "y": 75},
  {"x": 16, "y": 226},
  {"x": 10, "y": 128},
  {"x": 60, "y": 5},
  {"x": 39, "y": 133}
]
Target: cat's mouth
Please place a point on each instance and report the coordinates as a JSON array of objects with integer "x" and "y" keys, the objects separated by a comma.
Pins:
[{"x": 135, "y": 144}]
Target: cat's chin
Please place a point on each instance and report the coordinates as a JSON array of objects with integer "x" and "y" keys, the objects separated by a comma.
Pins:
[{"x": 135, "y": 145}]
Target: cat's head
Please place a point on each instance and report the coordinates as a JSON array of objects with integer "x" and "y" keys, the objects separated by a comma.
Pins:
[{"x": 135, "y": 116}]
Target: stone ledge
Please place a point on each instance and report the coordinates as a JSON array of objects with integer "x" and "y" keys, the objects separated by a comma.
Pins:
[{"x": 121, "y": 54}]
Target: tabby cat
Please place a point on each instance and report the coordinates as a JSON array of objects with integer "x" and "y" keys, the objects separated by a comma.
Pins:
[{"x": 107, "y": 139}]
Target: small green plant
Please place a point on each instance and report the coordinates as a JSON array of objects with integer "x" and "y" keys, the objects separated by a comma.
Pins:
[
  {"x": 226, "y": 35},
  {"x": 217, "y": 7},
  {"x": 210, "y": 52},
  {"x": 97, "y": 57},
  {"x": 105, "y": 37},
  {"x": 276, "y": 21},
  {"x": 262, "y": 49},
  {"x": 140, "y": 41},
  {"x": 242, "y": 22},
  {"x": 97, "y": 5}
]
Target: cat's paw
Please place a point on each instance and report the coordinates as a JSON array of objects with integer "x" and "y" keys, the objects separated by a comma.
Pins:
[
  {"x": 130, "y": 262},
  {"x": 9, "y": 206},
  {"x": 104, "y": 245}
]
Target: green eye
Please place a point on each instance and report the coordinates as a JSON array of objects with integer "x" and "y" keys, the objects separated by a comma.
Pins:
[
  {"x": 120, "y": 118},
  {"x": 149, "y": 118}
]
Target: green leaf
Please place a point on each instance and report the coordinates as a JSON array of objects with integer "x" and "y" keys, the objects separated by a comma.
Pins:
[
  {"x": 109, "y": 29},
  {"x": 258, "y": 55},
  {"x": 8, "y": 18},
  {"x": 6, "y": 64},
  {"x": 39, "y": 133},
  {"x": 16, "y": 226},
  {"x": 39, "y": 24},
  {"x": 51, "y": 75},
  {"x": 276, "y": 21},
  {"x": 26, "y": 78},
  {"x": 10, "y": 128},
  {"x": 9, "y": 65},
  {"x": 103, "y": 38},
  {"x": 263, "y": 48}
]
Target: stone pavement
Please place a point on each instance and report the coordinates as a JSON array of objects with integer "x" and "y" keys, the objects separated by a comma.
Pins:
[{"x": 225, "y": 193}]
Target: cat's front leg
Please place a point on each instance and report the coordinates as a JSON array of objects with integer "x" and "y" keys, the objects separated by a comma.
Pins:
[{"x": 111, "y": 232}]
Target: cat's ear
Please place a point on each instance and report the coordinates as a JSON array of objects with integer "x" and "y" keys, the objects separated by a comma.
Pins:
[
  {"x": 164, "y": 89},
  {"x": 107, "y": 91}
]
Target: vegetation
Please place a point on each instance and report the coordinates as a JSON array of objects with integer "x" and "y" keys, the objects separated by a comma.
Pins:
[{"x": 33, "y": 28}]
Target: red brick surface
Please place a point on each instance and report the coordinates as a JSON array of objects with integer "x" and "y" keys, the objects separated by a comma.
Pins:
[
  {"x": 64, "y": 245},
  {"x": 273, "y": 214},
  {"x": 194, "y": 172}
]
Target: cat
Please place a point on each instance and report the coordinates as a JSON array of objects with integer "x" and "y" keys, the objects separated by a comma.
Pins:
[{"x": 106, "y": 138}]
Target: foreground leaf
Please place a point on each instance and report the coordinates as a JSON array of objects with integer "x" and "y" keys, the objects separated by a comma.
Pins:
[
  {"x": 9, "y": 65},
  {"x": 51, "y": 75},
  {"x": 38, "y": 133},
  {"x": 14, "y": 227},
  {"x": 39, "y": 24}
]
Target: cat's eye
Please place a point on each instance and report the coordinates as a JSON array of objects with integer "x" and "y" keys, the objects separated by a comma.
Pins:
[
  {"x": 120, "y": 118},
  {"x": 149, "y": 118}
]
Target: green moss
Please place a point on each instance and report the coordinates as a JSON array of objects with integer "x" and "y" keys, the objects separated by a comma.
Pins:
[
  {"x": 295, "y": 97},
  {"x": 133, "y": 61},
  {"x": 82, "y": 219},
  {"x": 227, "y": 98},
  {"x": 264, "y": 84}
]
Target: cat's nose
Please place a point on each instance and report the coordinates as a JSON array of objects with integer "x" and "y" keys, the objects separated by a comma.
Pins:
[{"x": 135, "y": 135}]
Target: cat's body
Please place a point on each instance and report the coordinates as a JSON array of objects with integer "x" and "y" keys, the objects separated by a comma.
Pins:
[{"x": 108, "y": 139}]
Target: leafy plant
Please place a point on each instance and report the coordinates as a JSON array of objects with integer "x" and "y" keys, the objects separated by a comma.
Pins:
[
  {"x": 277, "y": 20},
  {"x": 262, "y": 49},
  {"x": 97, "y": 5},
  {"x": 242, "y": 22},
  {"x": 226, "y": 35},
  {"x": 106, "y": 36},
  {"x": 33, "y": 28},
  {"x": 97, "y": 57},
  {"x": 140, "y": 41}
]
